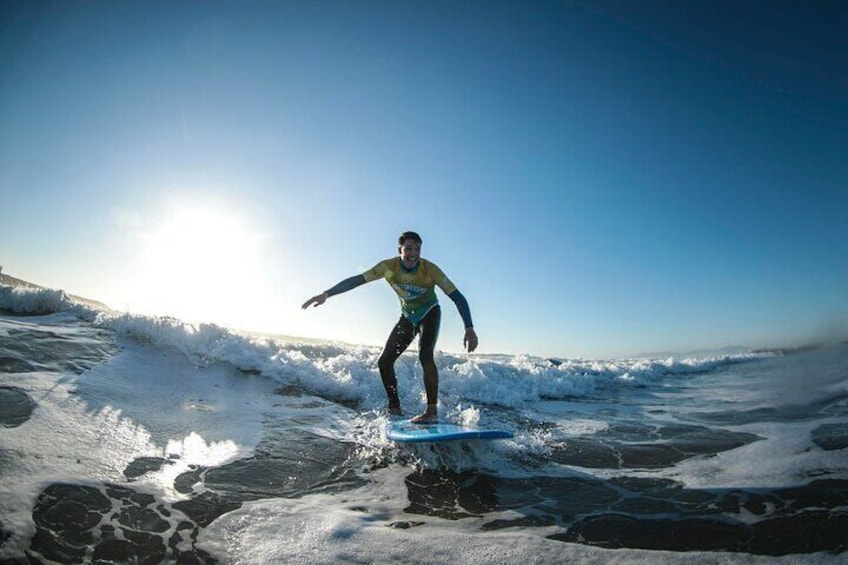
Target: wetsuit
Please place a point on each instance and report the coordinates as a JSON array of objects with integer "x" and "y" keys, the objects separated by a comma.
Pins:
[{"x": 420, "y": 313}]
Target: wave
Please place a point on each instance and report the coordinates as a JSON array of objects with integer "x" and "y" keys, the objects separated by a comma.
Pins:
[
  {"x": 23, "y": 300},
  {"x": 348, "y": 373}
]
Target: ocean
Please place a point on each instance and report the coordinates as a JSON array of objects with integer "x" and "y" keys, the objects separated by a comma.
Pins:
[{"x": 133, "y": 439}]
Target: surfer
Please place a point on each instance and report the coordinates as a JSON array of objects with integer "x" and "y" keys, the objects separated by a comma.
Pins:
[{"x": 414, "y": 279}]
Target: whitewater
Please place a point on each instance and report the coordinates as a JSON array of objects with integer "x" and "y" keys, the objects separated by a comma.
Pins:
[{"x": 129, "y": 438}]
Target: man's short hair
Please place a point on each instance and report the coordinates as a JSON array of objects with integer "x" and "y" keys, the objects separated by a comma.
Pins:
[{"x": 409, "y": 235}]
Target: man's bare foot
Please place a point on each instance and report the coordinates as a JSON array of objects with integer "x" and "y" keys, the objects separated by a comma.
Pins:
[{"x": 430, "y": 416}]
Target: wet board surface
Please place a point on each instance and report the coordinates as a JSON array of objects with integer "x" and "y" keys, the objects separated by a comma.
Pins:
[{"x": 406, "y": 431}]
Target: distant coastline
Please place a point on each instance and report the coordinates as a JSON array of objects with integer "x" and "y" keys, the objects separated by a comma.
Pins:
[{"x": 15, "y": 282}]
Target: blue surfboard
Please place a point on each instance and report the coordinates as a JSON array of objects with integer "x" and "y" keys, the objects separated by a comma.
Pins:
[{"x": 406, "y": 431}]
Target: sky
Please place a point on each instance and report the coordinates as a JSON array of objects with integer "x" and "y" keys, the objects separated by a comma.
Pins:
[{"x": 599, "y": 178}]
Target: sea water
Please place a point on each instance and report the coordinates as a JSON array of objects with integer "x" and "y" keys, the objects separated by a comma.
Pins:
[{"x": 139, "y": 439}]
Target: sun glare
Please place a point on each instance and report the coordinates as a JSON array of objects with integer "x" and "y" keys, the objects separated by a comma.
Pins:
[{"x": 204, "y": 265}]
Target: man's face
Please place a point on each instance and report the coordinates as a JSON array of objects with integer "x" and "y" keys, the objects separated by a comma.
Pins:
[{"x": 410, "y": 251}]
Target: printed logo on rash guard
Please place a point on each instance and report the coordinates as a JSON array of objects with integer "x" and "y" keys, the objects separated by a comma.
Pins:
[{"x": 409, "y": 290}]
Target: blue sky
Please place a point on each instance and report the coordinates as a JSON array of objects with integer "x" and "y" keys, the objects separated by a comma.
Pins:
[{"x": 598, "y": 178}]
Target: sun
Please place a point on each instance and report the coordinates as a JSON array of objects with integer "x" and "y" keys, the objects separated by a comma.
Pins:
[{"x": 203, "y": 264}]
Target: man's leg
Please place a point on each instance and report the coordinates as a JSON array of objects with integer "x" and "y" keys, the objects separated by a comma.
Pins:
[
  {"x": 398, "y": 341},
  {"x": 429, "y": 329}
]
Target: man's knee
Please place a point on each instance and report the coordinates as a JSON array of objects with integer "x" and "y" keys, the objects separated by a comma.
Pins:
[{"x": 426, "y": 357}]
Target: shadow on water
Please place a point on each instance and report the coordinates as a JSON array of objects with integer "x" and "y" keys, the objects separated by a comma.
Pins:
[
  {"x": 640, "y": 445},
  {"x": 77, "y": 523},
  {"x": 644, "y": 513},
  {"x": 115, "y": 523},
  {"x": 16, "y": 407}
]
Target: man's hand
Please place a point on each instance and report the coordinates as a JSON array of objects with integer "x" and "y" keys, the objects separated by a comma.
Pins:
[
  {"x": 470, "y": 339},
  {"x": 317, "y": 300}
]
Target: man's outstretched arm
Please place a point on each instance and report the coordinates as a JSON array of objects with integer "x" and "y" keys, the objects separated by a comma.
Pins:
[{"x": 348, "y": 284}]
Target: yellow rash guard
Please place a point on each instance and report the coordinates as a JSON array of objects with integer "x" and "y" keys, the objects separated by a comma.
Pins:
[{"x": 415, "y": 288}]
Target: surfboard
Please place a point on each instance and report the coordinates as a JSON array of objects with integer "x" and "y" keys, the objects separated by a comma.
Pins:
[{"x": 406, "y": 431}]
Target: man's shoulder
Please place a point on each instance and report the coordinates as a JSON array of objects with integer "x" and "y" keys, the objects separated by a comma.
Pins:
[
  {"x": 381, "y": 269},
  {"x": 427, "y": 264},
  {"x": 390, "y": 263},
  {"x": 437, "y": 276}
]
